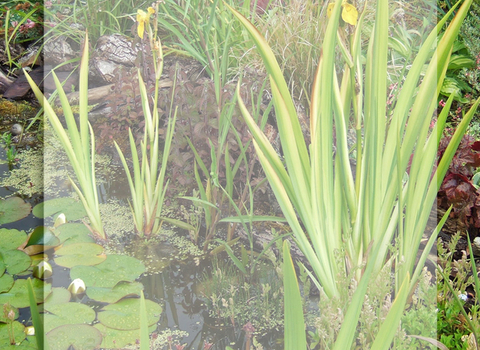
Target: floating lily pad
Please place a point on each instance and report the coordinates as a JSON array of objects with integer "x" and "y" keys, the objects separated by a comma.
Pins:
[
  {"x": 74, "y": 233},
  {"x": 72, "y": 209},
  {"x": 67, "y": 313},
  {"x": 2, "y": 265},
  {"x": 58, "y": 295},
  {"x": 13, "y": 209},
  {"x": 77, "y": 336},
  {"x": 114, "y": 269},
  {"x": 116, "y": 339},
  {"x": 18, "y": 295},
  {"x": 11, "y": 239},
  {"x": 16, "y": 261},
  {"x": 6, "y": 283},
  {"x": 112, "y": 295},
  {"x": 40, "y": 240},
  {"x": 125, "y": 315},
  {"x": 80, "y": 254},
  {"x": 18, "y": 333}
]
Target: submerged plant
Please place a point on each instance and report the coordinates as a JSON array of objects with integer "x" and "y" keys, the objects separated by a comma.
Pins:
[
  {"x": 389, "y": 197},
  {"x": 78, "y": 142}
]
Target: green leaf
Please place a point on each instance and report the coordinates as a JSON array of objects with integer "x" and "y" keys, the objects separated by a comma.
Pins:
[
  {"x": 17, "y": 330},
  {"x": 295, "y": 337},
  {"x": 144, "y": 339},
  {"x": 114, "y": 269},
  {"x": 70, "y": 233},
  {"x": 42, "y": 235},
  {"x": 16, "y": 261},
  {"x": 11, "y": 238},
  {"x": 72, "y": 209},
  {"x": 74, "y": 336},
  {"x": 80, "y": 254},
  {"x": 13, "y": 209},
  {"x": 36, "y": 320},
  {"x": 125, "y": 315},
  {"x": 112, "y": 295},
  {"x": 6, "y": 283},
  {"x": 41, "y": 240},
  {"x": 58, "y": 295},
  {"x": 17, "y": 296},
  {"x": 67, "y": 313},
  {"x": 117, "y": 339}
]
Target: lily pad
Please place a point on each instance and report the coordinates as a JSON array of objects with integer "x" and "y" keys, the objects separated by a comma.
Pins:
[
  {"x": 40, "y": 240},
  {"x": 112, "y": 295},
  {"x": 125, "y": 315},
  {"x": 74, "y": 233},
  {"x": 18, "y": 295},
  {"x": 11, "y": 239},
  {"x": 16, "y": 261},
  {"x": 58, "y": 295},
  {"x": 80, "y": 254},
  {"x": 2, "y": 265},
  {"x": 6, "y": 283},
  {"x": 17, "y": 329},
  {"x": 116, "y": 339},
  {"x": 67, "y": 313},
  {"x": 114, "y": 269},
  {"x": 77, "y": 336},
  {"x": 13, "y": 209},
  {"x": 72, "y": 209}
]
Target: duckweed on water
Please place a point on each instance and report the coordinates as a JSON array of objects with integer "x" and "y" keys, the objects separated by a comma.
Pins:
[{"x": 28, "y": 178}]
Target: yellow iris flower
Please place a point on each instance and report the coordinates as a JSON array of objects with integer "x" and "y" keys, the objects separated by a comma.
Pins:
[
  {"x": 349, "y": 12},
  {"x": 142, "y": 18}
]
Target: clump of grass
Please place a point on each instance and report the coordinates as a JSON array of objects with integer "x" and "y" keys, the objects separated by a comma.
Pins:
[{"x": 295, "y": 33}]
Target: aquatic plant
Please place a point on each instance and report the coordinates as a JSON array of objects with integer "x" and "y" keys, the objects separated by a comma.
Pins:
[
  {"x": 147, "y": 185},
  {"x": 78, "y": 142},
  {"x": 389, "y": 198}
]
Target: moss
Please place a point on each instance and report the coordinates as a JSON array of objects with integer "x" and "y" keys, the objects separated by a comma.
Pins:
[{"x": 16, "y": 109}]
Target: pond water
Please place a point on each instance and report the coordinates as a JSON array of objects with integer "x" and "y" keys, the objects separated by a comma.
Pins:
[{"x": 180, "y": 288}]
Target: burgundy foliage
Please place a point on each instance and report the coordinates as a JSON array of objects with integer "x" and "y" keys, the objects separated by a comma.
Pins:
[{"x": 457, "y": 188}]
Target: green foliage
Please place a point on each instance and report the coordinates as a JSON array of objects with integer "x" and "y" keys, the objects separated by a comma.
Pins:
[
  {"x": 98, "y": 17},
  {"x": 327, "y": 206}
]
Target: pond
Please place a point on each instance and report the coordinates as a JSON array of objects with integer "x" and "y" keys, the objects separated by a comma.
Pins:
[{"x": 206, "y": 302}]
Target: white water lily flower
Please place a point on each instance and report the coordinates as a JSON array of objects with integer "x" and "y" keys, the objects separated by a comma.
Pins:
[
  {"x": 77, "y": 287},
  {"x": 43, "y": 270},
  {"x": 60, "y": 220}
]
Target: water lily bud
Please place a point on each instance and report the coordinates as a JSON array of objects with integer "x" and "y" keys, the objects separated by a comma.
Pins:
[
  {"x": 77, "y": 287},
  {"x": 30, "y": 330},
  {"x": 60, "y": 220},
  {"x": 43, "y": 270},
  {"x": 11, "y": 315}
]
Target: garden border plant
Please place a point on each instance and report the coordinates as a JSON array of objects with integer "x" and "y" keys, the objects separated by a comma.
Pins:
[{"x": 393, "y": 191}]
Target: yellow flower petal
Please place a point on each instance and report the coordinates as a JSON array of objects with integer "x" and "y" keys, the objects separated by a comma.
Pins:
[
  {"x": 141, "y": 28},
  {"x": 151, "y": 10},
  {"x": 349, "y": 14},
  {"x": 330, "y": 9},
  {"x": 141, "y": 15}
]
